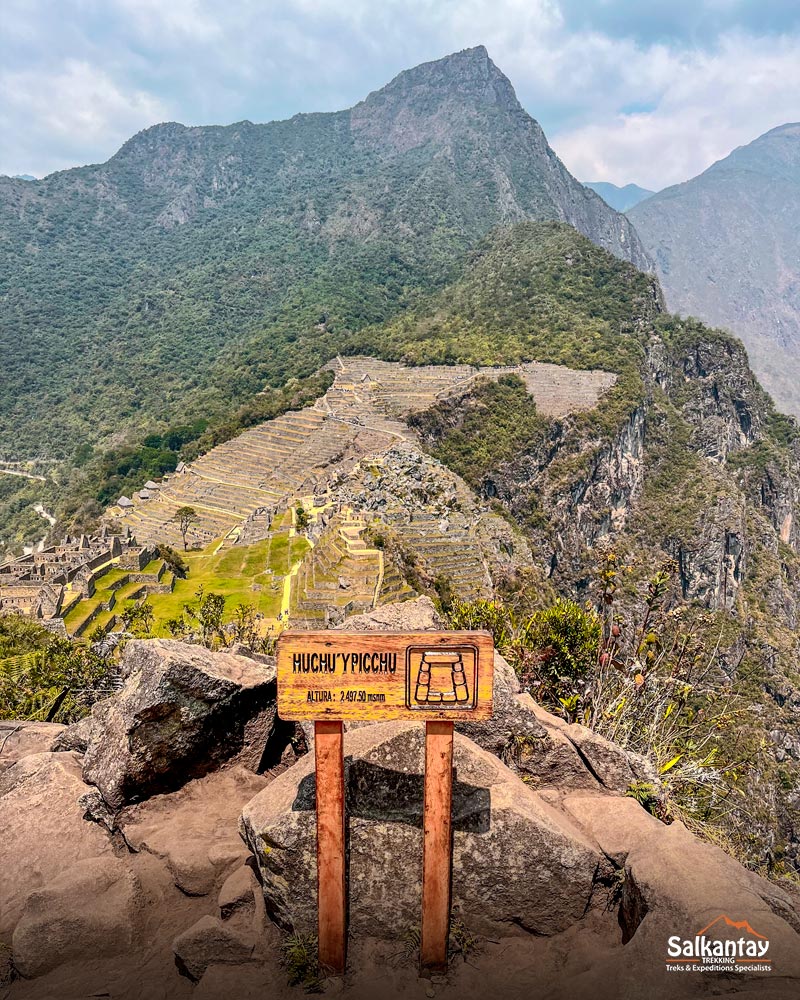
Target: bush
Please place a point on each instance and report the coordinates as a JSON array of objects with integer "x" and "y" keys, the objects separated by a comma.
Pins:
[{"x": 44, "y": 677}]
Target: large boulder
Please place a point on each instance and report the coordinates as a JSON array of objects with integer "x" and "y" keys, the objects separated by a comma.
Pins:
[
  {"x": 209, "y": 941},
  {"x": 510, "y": 847},
  {"x": 672, "y": 884},
  {"x": 513, "y": 726},
  {"x": 571, "y": 756},
  {"x": 417, "y": 615},
  {"x": 19, "y": 739},
  {"x": 88, "y": 911},
  {"x": 43, "y": 829},
  {"x": 183, "y": 711}
]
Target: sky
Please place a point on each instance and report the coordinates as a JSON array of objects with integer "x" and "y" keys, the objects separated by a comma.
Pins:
[{"x": 640, "y": 91}]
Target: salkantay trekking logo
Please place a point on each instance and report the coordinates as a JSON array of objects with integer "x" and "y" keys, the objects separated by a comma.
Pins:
[{"x": 724, "y": 945}]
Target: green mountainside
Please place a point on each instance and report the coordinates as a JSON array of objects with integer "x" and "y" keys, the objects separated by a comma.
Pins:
[
  {"x": 148, "y": 301},
  {"x": 726, "y": 245},
  {"x": 684, "y": 474},
  {"x": 198, "y": 264}
]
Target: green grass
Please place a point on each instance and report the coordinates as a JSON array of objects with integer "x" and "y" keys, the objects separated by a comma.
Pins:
[
  {"x": 106, "y": 585},
  {"x": 80, "y": 613},
  {"x": 233, "y": 572}
]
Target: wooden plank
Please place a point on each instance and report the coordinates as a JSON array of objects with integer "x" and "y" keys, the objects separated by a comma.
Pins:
[
  {"x": 331, "y": 889},
  {"x": 437, "y": 850},
  {"x": 377, "y": 676}
]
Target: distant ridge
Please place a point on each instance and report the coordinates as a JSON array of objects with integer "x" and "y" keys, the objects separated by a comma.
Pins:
[
  {"x": 212, "y": 260},
  {"x": 726, "y": 245},
  {"x": 620, "y": 198}
]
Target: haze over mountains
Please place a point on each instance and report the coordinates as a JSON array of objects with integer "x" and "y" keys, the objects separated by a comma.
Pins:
[
  {"x": 620, "y": 198},
  {"x": 431, "y": 224},
  {"x": 726, "y": 245},
  {"x": 171, "y": 278}
]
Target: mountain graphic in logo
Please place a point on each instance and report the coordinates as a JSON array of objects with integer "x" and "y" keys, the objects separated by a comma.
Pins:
[{"x": 739, "y": 925}]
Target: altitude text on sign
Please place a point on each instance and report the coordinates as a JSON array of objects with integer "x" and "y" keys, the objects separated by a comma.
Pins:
[{"x": 385, "y": 675}]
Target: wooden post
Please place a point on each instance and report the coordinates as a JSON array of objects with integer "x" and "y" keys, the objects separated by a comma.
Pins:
[
  {"x": 437, "y": 852},
  {"x": 331, "y": 898}
]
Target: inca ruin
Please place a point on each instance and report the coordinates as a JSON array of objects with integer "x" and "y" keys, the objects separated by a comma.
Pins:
[{"x": 379, "y": 514}]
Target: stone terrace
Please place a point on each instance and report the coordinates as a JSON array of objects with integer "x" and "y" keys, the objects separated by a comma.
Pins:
[
  {"x": 262, "y": 468},
  {"x": 302, "y": 451},
  {"x": 399, "y": 390}
]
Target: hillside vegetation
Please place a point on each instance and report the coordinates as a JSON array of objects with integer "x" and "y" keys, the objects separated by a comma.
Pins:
[
  {"x": 727, "y": 249},
  {"x": 199, "y": 264}
]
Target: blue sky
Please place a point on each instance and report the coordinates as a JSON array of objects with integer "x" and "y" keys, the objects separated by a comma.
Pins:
[{"x": 649, "y": 92}]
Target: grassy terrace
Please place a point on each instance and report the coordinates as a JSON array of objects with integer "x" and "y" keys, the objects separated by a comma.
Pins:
[
  {"x": 77, "y": 618},
  {"x": 239, "y": 573}
]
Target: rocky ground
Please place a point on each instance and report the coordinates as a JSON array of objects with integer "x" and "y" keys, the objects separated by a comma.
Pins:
[{"x": 165, "y": 848}]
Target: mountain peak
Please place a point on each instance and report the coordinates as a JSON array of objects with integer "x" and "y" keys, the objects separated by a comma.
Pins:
[{"x": 469, "y": 73}]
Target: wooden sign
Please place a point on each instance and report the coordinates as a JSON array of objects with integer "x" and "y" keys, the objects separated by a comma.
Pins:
[
  {"x": 377, "y": 676},
  {"x": 431, "y": 677}
]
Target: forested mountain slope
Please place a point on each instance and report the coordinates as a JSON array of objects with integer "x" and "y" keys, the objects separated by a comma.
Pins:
[
  {"x": 680, "y": 488},
  {"x": 727, "y": 248},
  {"x": 199, "y": 263}
]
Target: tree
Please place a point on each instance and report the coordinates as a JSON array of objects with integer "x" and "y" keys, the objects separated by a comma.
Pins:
[
  {"x": 138, "y": 619},
  {"x": 185, "y": 516},
  {"x": 203, "y": 623}
]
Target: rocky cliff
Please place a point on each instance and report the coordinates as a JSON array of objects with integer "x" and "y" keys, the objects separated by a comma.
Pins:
[
  {"x": 684, "y": 468},
  {"x": 166, "y": 846},
  {"x": 725, "y": 245}
]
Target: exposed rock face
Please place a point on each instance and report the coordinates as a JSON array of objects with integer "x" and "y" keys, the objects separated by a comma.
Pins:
[
  {"x": 211, "y": 942},
  {"x": 675, "y": 885},
  {"x": 58, "y": 927},
  {"x": 418, "y": 615},
  {"x": 726, "y": 248},
  {"x": 576, "y": 886},
  {"x": 193, "y": 831},
  {"x": 44, "y": 831},
  {"x": 182, "y": 712},
  {"x": 20, "y": 739},
  {"x": 500, "y": 885},
  {"x": 620, "y": 198}
]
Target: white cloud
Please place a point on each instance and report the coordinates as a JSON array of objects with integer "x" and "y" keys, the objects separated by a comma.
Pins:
[
  {"x": 710, "y": 103},
  {"x": 72, "y": 109},
  {"x": 172, "y": 21}
]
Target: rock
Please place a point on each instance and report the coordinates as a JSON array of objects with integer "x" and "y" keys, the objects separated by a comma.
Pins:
[
  {"x": 615, "y": 768},
  {"x": 194, "y": 829},
  {"x": 19, "y": 738},
  {"x": 509, "y": 846},
  {"x": 74, "y": 737},
  {"x": 255, "y": 981},
  {"x": 418, "y": 615},
  {"x": 513, "y": 724},
  {"x": 43, "y": 829},
  {"x": 571, "y": 756},
  {"x": 675, "y": 884},
  {"x": 95, "y": 809},
  {"x": 238, "y": 892},
  {"x": 87, "y": 911},
  {"x": 210, "y": 942},
  {"x": 182, "y": 712},
  {"x": 6, "y": 971}
]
